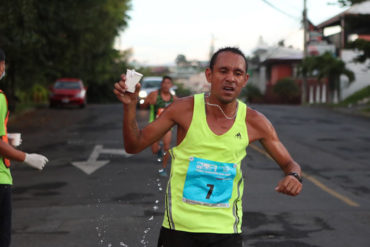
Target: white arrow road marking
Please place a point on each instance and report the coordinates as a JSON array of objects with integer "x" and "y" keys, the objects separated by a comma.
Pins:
[
  {"x": 89, "y": 167},
  {"x": 92, "y": 164}
]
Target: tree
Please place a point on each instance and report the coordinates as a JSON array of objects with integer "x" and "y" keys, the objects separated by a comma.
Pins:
[
  {"x": 181, "y": 60},
  {"x": 327, "y": 66},
  {"x": 45, "y": 40}
]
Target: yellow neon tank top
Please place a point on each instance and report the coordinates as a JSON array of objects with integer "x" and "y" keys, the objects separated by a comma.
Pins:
[{"x": 205, "y": 188}]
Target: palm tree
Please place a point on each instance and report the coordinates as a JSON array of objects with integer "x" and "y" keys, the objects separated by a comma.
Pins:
[{"x": 327, "y": 66}]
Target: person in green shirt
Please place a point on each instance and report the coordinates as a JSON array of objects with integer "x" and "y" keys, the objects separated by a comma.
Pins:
[
  {"x": 205, "y": 187},
  {"x": 158, "y": 100},
  {"x": 7, "y": 153}
]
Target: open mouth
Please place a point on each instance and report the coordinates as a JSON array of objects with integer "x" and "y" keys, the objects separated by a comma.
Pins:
[{"x": 228, "y": 89}]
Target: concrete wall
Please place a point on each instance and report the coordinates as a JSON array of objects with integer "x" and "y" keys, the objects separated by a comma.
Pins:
[{"x": 361, "y": 70}]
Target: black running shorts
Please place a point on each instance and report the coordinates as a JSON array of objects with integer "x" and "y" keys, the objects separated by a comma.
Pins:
[{"x": 171, "y": 238}]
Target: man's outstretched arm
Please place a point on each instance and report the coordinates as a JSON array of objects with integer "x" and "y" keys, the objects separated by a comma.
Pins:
[
  {"x": 261, "y": 129},
  {"x": 136, "y": 139},
  {"x": 290, "y": 184}
]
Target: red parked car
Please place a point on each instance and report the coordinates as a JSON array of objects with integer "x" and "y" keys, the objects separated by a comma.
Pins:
[{"x": 68, "y": 91}]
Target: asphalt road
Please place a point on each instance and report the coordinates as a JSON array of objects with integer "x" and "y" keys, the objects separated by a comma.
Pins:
[{"x": 93, "y": 194}]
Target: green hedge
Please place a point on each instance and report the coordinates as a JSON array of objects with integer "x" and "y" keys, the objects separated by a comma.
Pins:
[{"x": 358, "y": 96}]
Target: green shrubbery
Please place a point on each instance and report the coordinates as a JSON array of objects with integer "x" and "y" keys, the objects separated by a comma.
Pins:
[
  {"x": 287, "y": 90},
  {"x": 251, "y": 93}
]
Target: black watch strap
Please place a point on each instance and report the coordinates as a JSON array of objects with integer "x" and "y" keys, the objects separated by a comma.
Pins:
[{"x": 294, "y": 174}]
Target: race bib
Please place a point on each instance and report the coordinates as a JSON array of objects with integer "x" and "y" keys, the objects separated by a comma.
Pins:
[{"x": 209, "y": 182}]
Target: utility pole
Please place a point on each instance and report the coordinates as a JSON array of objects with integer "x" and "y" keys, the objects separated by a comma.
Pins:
[{"x": 304, "y": 79}]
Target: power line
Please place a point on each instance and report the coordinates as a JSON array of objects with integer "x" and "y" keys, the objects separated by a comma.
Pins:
[{"x": 281, "y": 11}]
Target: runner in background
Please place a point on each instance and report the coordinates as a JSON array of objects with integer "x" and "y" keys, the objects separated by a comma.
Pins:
[{"x": 157, "y": 101}]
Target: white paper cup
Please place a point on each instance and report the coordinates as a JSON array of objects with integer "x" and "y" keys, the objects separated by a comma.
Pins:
[
  {"x": 132, "y": 78},
  {"x": 14, "y": 139}
]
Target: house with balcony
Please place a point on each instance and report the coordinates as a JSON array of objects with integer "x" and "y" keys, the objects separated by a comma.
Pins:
[{"x": 340, "y": 30}]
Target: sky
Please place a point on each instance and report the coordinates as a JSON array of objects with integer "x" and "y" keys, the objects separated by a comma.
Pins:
[{"x": 159, "y": 30}]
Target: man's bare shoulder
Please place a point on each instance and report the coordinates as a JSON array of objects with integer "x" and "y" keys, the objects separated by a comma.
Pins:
[
  {"x": 258, "y": 125},
  {"x": 183, "y": 103},
  {"x": 181, "y": 113},
  {"x": 254, "y": 115},
  {"x": 151, "y": 98},
  {"x": 153, "y": 94}
]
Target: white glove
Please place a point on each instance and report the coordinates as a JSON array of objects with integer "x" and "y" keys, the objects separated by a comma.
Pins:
[
  {"x": 15, "y": 139},
  {"x": 37, "y": 161}
]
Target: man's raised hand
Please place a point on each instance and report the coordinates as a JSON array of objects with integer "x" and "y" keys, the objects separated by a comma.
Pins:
[{"x": 120, "y": 90}]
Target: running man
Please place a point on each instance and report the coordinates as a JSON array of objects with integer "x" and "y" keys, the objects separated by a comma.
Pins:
[
  {"x": 205, "y": 188},
  {"x": 157, "y": 101}
]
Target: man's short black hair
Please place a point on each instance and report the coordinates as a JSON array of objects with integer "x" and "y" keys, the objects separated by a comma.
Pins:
[
  {"x": 166, "y": 77},
  {"x": 234, "y": 50},
  {"x": 2, "y": 55}
]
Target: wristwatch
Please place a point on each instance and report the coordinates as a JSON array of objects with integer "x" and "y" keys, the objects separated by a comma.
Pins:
[{"x": 294, "y": 174}]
